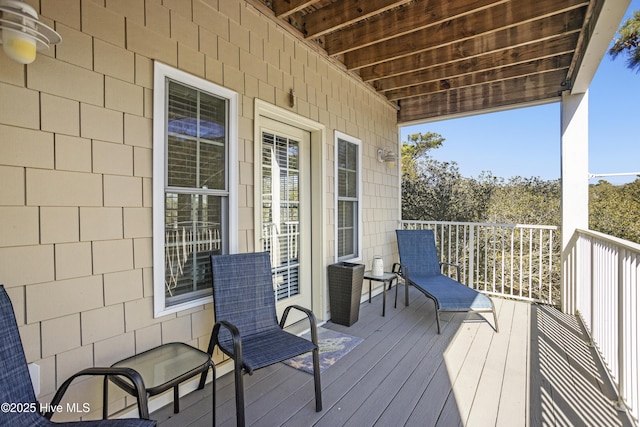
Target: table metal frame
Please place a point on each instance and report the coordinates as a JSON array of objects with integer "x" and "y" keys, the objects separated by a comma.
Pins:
[{"x": 387, "y": 277}]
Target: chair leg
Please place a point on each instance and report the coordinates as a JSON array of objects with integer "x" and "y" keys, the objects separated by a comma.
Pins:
[
  {"x": 395, "y": 303},
  {"x": 406, "y": 293},
  {"x": 239, "y": 394},
  {"x": 105, "y": 397},
  {"x": 176, "y": 400},
  {"x": 438, "y": 320},
  {"x": 203, "y": 380},
  {"x": 213, "y": 394},
  {"x": 495, "y": 319},
  {"x": 316, "y": 379}
]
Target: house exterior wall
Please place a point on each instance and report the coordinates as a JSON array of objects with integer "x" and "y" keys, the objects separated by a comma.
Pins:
[{"x": 76, "y": 168}]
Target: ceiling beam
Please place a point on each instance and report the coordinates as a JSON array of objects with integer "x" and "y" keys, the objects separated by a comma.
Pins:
[
  {"x": 284, "y": 8},
  {"x": 495, "y": 47},
  {"x": 489, "y": 61},
  {"x": 408, "y": 19},
  {"x": 522, "y": 90},
  {"x": 343, "y": 13},
  {"x": 482, "y": 77},
  {"x": 506, "y": 15}
]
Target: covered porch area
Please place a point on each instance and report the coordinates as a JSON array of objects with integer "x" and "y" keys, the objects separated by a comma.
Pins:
[
  {"x": 539, "y": 370},
  {"x": 78, "y": 241}
]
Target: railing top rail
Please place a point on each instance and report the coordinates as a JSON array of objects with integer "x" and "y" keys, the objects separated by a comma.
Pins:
[
  {"x": 483, "y": 224},
  {"x": 626, "y": 244}
]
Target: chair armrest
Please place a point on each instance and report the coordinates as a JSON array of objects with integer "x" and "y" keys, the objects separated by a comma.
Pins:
[
  {"x": 452, "y": 265},
  {"x": 400, "y": 269},
  {"x": 235, "y": 335},
  {"x": 310, "y": 315},
  {"x": 131, "y": 374}
]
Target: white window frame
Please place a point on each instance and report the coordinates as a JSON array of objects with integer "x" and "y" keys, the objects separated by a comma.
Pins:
[
  {"x": 163, "y": 72},
  {"x": 358, "y": 235}
]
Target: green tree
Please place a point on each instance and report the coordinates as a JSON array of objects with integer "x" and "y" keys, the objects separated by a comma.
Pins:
[
  {"x": 440, "y": 188},
  {"x": 479, "y": 193},
  {"x": 628, "y": 41},
  {"x": 615, "y": 209},
  {"x": 415, "y": 151},
  {"x": 417, "y": 188},
  {"x": 433, "y": 190},
  {"x": 525, "y": 201}
]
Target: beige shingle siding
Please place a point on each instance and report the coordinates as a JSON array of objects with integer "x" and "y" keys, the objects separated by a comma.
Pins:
[{"x": 76, "y": 167}]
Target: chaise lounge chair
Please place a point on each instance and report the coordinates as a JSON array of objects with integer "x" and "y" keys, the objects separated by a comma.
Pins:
[{"x": 419, "y": 267}]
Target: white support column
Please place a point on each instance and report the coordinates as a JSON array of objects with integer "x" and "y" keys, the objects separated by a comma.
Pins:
[{"x": 574, "y": 171}]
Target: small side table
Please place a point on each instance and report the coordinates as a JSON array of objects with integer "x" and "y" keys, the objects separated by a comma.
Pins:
[
  {"x": 165, "y": 367},
  {"x": 385, "y": 278}
]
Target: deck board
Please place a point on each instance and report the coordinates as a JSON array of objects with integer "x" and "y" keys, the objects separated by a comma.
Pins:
[
  {"x": 424, "y": 373},
  {"x": 514, "y": 392},
  {"x": 439, "y": 394},
  {"x": 485, "y": 405},
  {"x": 538, "y": 370},
  {"x": 370, "y": 391}
]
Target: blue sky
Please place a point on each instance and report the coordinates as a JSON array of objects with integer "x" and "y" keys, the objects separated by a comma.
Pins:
[{"x": 526, "y": 141}]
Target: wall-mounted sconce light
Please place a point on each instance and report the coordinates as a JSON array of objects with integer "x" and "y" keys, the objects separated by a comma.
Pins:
[
  {"x": 292, "y": 98},
  {"x": 388, "y": 157},
  {"x": 22, "y": 34}
]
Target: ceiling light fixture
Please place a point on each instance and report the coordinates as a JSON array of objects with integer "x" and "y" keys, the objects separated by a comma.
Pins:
[{"x": 21, "y": 33}]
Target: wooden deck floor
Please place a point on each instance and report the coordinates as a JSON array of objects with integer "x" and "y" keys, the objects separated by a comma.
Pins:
[{"x": 537, "y": 370}]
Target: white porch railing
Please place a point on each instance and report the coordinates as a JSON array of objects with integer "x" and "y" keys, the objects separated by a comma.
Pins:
[
  {"x": 602, "y": 287},
  {"x": 512, "y": 260}
]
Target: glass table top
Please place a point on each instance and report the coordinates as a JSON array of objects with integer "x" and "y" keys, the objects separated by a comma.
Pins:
[
  {"x": 163, "y": 364},
  {"x": 385, "y": 276}
]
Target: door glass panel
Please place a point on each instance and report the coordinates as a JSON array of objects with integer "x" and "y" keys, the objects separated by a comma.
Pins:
[{"x": 281, "y": 211}]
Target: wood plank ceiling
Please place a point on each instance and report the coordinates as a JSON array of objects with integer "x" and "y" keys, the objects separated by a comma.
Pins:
[{"x": 437, "y": 58}]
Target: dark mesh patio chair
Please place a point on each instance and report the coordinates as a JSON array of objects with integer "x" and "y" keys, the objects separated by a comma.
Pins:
[
  {"x": 19, "y": 405},
  {"x": 419, "y": 267},
  {"x": 247, "y": 327}
]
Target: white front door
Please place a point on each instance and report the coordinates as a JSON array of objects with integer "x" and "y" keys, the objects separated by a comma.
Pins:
[{"x": 286, "y": 212}]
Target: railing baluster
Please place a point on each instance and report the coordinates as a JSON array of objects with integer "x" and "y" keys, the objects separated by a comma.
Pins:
[
  {"x": 550, "y": 300},
  {"x": 502, "y": 284},
  {"x": 493, "y": 287},
  {"x": 472, "y": 254},
  {"x": 486, "y": 257},
  {"x": 540, "y": 257},
  {"x": 448, "y": 244},
  {"x": 520, "y": 260},
  {"x": 592, "y": 287},
  {"x": 530, "y": 279},
  {"x": 622, "y": 318}
]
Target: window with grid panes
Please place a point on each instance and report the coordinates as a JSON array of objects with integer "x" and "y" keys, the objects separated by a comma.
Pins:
[
  {"x": 191, "y": 206},
  {"x": 348, "y": 198}
]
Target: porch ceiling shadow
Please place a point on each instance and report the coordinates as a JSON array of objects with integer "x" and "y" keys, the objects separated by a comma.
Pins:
[{"x": 434, "y": 58}]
